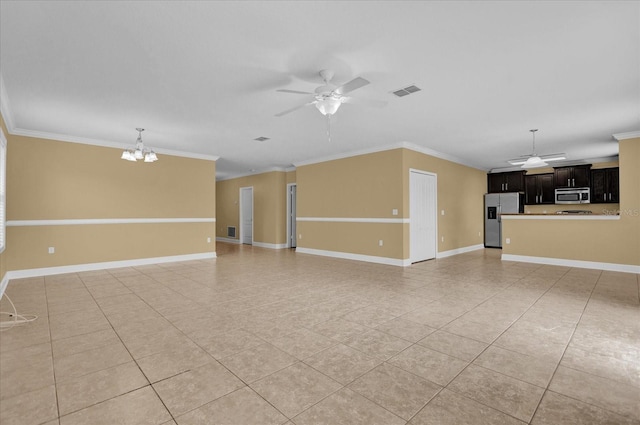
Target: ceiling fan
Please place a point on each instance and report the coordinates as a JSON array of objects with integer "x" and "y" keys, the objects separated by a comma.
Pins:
[
  {"x": 328, "y": 97},
  {"x": 533, "y": 160}
]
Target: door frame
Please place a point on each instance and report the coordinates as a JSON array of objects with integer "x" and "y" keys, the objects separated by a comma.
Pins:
[
  {"x": 241, "y": 212},
  {"x": 288, "y": 212},
  {"x": 435, "y": 204}
]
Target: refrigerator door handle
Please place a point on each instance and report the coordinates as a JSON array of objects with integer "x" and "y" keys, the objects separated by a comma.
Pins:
[{"x": 499, "y": 213}]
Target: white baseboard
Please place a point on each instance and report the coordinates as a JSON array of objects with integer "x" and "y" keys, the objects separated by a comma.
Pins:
[
  {"x": 357, "y": 257},
  {"x": 627, "y": 268},
  {"x": 227, "y": 240},
  {"x": 457, "y": 251},
  {"x": 270, "y": 245},
  {"x": 76, "y": 268}
]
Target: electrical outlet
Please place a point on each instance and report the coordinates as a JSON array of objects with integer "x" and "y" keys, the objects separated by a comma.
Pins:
[
  {"x": 52, "y": 250},
  {"x": 380, "y": 242},
  {"x": 442, "y": 239},
  {"x": 208, "y": 240},
  {"x": 508, "y": 240},
  {"x": 479, "y": 233},
  {"x": 442, "y": 212},
  {"x": 394, "y": 211},
  {"x": 300, "y": 236}
]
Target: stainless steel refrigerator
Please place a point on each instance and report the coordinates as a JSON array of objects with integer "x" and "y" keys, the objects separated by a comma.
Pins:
[{"x": 496, "y": 204}]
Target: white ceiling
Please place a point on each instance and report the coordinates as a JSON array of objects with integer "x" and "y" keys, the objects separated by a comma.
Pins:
[{"x": 201, "y": 77}]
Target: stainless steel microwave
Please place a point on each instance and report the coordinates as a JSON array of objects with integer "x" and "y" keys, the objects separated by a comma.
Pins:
[{"x": 573, "y": 195}]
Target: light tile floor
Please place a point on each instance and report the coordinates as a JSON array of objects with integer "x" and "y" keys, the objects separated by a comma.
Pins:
[{"x": 274, "y": 337}]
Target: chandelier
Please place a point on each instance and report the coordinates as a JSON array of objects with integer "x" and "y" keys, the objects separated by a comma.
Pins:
[{"x": 139, "y": 152}]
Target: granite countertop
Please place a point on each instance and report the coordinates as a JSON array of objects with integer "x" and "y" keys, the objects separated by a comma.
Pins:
[{"x": 563, "y": 216}]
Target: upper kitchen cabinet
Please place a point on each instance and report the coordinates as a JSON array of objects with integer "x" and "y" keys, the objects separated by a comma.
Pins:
[
  {"x": 605, "y": 186},
  {"x": 505, "y": 182},
  {"x": 575, "y": 176},
  {"x": 539, "y": 189}
]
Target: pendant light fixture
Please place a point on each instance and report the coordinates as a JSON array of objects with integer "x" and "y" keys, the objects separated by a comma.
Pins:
[
  {"x": 139, "y": 152},
  {"x": 533, "y": 160}
]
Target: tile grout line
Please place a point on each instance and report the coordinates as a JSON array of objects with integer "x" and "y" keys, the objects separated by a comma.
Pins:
[
  {"x": 53, "y": 366},
  {"x": 128, "y": 352},
  {"x": 247, "y": 385},
  {"x": 567, "y": 346},
  {"x": 491, "y": 344}
]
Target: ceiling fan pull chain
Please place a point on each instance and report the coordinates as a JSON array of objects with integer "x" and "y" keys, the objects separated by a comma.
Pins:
[{"x": 329, "y": 127}]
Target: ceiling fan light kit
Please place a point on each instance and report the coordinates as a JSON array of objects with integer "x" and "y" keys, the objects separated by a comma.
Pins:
[
  {"x": 328, "y": 98},
  {"x": 328, "y": 105},
  {"x": 533, "y": 160},
  {"x": 140, "y": 151}
]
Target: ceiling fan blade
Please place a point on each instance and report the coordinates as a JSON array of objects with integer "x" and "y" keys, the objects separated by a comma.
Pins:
[
  {"x": 294, "y": 108},
  {"x": 356, "y": 83},
  {"x": 365, "y": 102},
  {"x": 554, "y": 157},
  {"x": 294, "y": 91}
]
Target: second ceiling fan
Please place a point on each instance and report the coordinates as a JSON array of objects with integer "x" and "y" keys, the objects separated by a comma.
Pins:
[{"x": 328, "y": 97}]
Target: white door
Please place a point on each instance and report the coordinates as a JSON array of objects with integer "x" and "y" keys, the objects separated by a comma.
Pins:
[
  {"x": 246, "y": 215},
  {"x": 422, "y": 211},
  {"x": 291, "y": 215}
]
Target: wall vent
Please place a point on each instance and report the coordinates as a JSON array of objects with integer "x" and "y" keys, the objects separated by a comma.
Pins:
[
  {"x": 261, "y": 139},
  {"x": 231, "y": 231},
  {"x": 406, "y": 91}
]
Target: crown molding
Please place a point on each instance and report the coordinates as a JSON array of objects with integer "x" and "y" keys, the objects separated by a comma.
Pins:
[
  {"x": 255, "y": 173},
  {"x": 399, "y": 145},
  {"x": 5, "y": 110},
  {"x": 629, "y": 135},
  {"x": 104, "y": 143},
  {"x": 437, "y": 154},
  {"x": 347, "y": 155}
]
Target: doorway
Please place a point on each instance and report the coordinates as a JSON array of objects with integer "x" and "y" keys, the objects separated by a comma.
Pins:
[
  {"x": 246, "y": 215},
  {"x": 291, "y": 215},
  {"x": 423, "y": 237}
]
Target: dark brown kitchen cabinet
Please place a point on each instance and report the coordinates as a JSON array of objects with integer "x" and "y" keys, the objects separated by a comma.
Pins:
[
  {"x": 505, "y": 182},
  {"x": 576, "y": 176},
  {"x": 539, "y": 189},
  {"x": 605, "y": 186}
]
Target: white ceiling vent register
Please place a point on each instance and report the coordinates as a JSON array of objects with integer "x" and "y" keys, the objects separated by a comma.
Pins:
[
  {"x": 406, "y": 91},
  {"x": 139, "y": 152}
]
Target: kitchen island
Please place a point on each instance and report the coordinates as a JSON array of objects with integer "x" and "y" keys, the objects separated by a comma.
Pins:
[{"x": 604, "y": 241}]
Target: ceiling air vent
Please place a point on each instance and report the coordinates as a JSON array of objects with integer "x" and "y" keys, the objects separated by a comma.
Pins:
[
  {"x": 261, "y": 139},
  {"x": 406, "y": 91}
]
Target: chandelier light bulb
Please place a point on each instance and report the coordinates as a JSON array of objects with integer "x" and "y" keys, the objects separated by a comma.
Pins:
[{"x": 140, "y": 152}]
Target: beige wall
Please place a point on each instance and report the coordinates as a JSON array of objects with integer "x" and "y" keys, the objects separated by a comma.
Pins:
[
  {"x": 461, "y": 192},
  {"x": 3, "y": 267},
  {"x": 53, "y": 180},
  {"x": 359, "y": 187},
  {"x": 607, "y": 241},
  {"x": 269, "y": 205},
  {"x": 291, "y": 177},
  {"x": 370, "y": 187}
]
